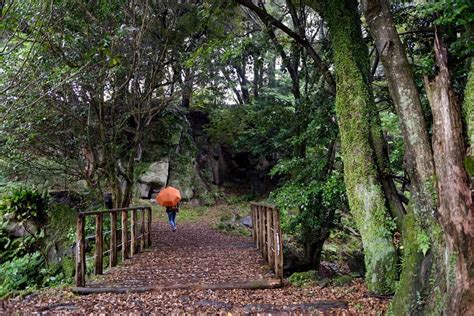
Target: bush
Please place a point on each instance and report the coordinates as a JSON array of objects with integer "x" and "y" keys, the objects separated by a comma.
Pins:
[
  {"x": 25, "y": 205},
  {"x": 303, "y": 279},
  {"x": 20, "y": 273}
]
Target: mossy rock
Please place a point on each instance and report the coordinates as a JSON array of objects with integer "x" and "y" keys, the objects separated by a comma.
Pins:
[
  {"x": 303, "y": 279},
  {"x": 342, "y": 280}
]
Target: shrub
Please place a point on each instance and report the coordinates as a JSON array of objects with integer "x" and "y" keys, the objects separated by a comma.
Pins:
[
  {"x": 303, "y": 279},
  {"x": 25, "y": 205},
  {"x": 20, "y": 273}
]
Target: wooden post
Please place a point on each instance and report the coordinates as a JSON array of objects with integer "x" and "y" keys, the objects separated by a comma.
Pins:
[
  {"x": 113, "y": 239},
  {"x": 257, "y": 226},
  {"x": 278, "y": 244},
  {"x": 271, "y": 246},
  {"x": 149, "y": 226},
  {"x": 257, "y": 236},
  {"x": 252, "y": 216},
  {"x": 133, "y": 234},
  {"x": 124, "y": 235},
  {"x": 265, "y": 230},
  {"x": 262, "y": 229},
  {"x": 80, "y": 251},
  {"x": 99, "y": 245},
  {"x": 142, "y": 230}
]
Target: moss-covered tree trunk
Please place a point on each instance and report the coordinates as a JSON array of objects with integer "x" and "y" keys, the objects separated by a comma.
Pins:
[
  {"x": 422, "y": 238},
  {"x": 355, "y": 110},
  {"x": 468, "y": 108}
]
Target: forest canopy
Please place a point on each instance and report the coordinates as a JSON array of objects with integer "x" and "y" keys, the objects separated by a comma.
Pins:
[{"x": 343, "y": 113}]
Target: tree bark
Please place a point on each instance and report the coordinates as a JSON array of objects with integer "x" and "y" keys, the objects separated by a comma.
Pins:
[
  {"x": 456, "y": 209},
  {"x": 403, "y": 91},
  {"x": 468, "y": 107},
  {"x": 420, "y": 168},
  {"x": 353, "y": 109}
]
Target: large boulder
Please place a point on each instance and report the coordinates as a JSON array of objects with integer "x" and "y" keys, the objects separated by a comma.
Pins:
[{"x": 154, "y": 178}]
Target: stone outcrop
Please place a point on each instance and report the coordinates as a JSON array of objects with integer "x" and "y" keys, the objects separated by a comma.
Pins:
[{"x": 155, "y": 178}]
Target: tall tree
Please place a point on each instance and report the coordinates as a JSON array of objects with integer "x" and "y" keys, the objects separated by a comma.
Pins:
[
  {"x": 419, "y": 165},
  {"x": 360, "y": 135}
]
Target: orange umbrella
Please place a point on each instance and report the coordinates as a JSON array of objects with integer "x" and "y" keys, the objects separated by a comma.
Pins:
[{"x": 168, "y": 197}]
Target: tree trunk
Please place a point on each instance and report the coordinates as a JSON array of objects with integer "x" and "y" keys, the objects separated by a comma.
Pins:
[
  {"x": 468, "y": 108},
  {"x": 456, "y": 209},
  {"x": 405, "y": 96},
  {"x": 420, "y": 168},
  {"x": 271, "y": 71},
  {"x": 353, "y": 109}
]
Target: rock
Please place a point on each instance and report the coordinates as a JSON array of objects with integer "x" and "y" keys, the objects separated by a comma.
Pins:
[
  {"x": 15, "y": 229},
  {"x": 217, "y": 304},
  {"x": 144, "y": 190},
  {"x": 195, "y": 203},
  {"x": 157, "y": 174},
  {"x": 108, "y": 203},
  {"x": 246, "y": 221},
  {"x": 68, "y": 198},
  {"x": 356, "y": 263},
  {"x": 342, "y": 280}
]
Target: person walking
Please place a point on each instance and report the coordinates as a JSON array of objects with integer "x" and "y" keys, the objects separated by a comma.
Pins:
[
  {"x": 172, "y": 211},
  {"x": 170, "y": 197}
]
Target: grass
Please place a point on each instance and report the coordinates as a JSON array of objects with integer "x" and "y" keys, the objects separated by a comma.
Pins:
[{"x": 217, "y": 216}]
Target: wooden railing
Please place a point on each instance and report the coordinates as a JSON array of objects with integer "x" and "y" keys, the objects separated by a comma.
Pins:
[
  {"x": 266, "y": 234},
  {"x": 139, "y": 239}
]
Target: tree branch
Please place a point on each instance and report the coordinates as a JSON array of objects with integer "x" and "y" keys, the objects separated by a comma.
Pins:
[{"x": 270, "y": 20}]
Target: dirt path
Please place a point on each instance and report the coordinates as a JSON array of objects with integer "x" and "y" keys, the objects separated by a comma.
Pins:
[
  {"x": 197, "y": 253},
  {"x": 194, "y": 254}
]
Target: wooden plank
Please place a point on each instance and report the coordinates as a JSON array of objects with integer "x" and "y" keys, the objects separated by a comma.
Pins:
[
  {"x": 252, "y": 216},
  {"x": 142, "y": 230},
  {"x": 107, "y": 211},
  {"x": 257, "y": 240},
  {"x": 99, "y": 245},
  {"x": 259, "y": 232},
  {"x": 250, "y": 285},
  {"x": 149, "y": 226},
  {"x": 80, "y": 251},
  {"x": 133, "y": 234},
  {"x": 264, "y": 232},
  {"x": 279, "y": 244},
  {"x": 113, "y": 239},
  {"x": 125, "y": 249},
  {"x": 263, "y": 204},
  {"x": 271, "y": 239}
]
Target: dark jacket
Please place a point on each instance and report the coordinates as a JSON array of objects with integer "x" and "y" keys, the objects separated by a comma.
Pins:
[{"x": 172, "y": 209}]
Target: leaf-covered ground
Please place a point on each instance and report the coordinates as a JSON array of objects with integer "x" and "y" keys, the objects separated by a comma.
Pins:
[{"x": 197, "y": 254}]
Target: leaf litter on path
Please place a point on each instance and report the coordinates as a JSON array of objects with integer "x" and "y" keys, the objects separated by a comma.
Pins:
[{"x": 198, "y": 254}]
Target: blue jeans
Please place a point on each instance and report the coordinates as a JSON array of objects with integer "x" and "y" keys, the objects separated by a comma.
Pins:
[{"x": 172, "y": 219}]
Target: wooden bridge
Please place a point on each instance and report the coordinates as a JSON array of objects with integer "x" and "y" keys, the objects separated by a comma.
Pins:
[{"x": 152, "y": 257}]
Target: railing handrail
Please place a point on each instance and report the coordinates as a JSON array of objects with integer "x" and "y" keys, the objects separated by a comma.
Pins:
[
  {"x": 137, "y": 242},
  {"x": 273, "y": 206},
  {"x": 113, "y": 210},
  {"x": 266, "y": 232}
]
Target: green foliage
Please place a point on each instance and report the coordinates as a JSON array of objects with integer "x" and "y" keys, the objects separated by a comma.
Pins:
[
  {"x": 235, "y": 229},
  {"x": 342, "y": 280},
  {"x": 20, "y": 273},
  {"x": 454, "y": 13},
  {"x": 423, "y": 241},
  {"x": 29, "y": 272},
  {"x": 303, "y": 279},
  {"x": 25, "y": 205},
  {"x": 11, "y": 248}
]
